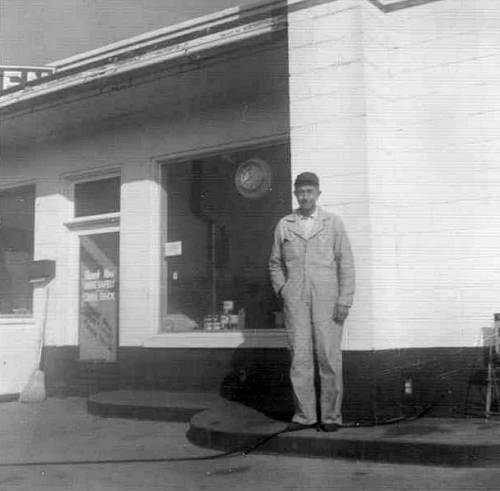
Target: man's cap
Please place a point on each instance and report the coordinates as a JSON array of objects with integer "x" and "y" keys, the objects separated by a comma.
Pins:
[{"x": 307, "y": 179}]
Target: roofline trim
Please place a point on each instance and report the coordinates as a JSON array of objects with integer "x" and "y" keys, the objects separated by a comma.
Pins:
[
  {"x": 185, "y": 40},
  {"x": 192, "y": 50},
  {"x": 211, "y": 21},
  {"x": 388, "y": 6},
  {"x": 201, "y": 25}
]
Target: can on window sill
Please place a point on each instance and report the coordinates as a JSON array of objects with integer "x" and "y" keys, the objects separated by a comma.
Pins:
[
  {"x": 228, "y": 306},
  {"x": 208, "y": 323}
]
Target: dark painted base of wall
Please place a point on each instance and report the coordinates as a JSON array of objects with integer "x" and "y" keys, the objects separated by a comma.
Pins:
[
  {"x": 374, "y": 381},
  {"x": 9, "y": 397}
]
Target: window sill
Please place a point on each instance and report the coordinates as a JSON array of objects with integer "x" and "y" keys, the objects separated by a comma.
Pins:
[
  {"x": 104, "y": 220},
  {"x": 257, "y": 338},
  {"x": 10, "y": 320}
]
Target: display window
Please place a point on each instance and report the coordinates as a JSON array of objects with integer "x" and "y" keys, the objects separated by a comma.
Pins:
[
  {"x": 17, "y": 213},
  {"x": 221, "y": 211}
]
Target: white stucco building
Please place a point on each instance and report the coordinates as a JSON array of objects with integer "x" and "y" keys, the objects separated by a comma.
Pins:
[{"x": 394, "y": 104}]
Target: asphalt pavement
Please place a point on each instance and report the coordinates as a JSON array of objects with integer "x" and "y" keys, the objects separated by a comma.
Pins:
[{"x": 57, "y": 445}]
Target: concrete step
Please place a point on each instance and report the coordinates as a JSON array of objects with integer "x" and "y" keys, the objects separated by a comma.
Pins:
[
  {"x": 431, "y": 441},
  {"x": 229, "y": 426},
  {"x": 151, "y": 404},
  {"x": 96, "y": 376}
]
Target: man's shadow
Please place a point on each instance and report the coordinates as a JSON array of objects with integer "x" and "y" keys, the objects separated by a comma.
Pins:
[{"x": 259, "y": 376}]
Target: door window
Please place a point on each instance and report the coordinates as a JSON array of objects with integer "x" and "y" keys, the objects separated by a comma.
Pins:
[
  {"x": 99, "y": 258},
  {"x": 97, "y": 197}
]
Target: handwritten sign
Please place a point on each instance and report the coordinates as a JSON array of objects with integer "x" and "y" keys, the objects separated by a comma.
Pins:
[
  {"x": 14, "y": 76},
  {"x": 97, "y": 288},
  {"x": 98, "y": 333}
]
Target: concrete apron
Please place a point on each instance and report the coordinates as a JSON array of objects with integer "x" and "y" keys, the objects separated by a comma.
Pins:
[{"x": 228, "y": 426}]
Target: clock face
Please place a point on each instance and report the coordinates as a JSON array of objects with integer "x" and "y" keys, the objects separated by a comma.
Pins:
[{"x": 253, "y": 178}]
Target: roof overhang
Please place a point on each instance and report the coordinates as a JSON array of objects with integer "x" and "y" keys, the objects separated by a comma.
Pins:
[{"x": 189, "y": 42}]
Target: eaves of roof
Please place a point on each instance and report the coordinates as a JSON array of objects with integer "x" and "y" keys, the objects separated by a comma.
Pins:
[{"x": 189, "y": 40}]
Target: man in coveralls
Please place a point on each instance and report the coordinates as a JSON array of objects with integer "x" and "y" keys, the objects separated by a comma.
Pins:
[{"x": 312, "y": 270}]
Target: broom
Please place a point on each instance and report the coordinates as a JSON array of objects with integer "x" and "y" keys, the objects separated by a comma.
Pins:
[{"x": 34, "y": 391}]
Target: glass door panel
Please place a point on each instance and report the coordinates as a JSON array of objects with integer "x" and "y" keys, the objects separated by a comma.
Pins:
[{"x": 98, "y": 323}]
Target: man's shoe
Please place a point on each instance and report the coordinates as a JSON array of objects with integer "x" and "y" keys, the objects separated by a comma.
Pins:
[
  {"x": 330, "y": 427},
  {"x": 294, "y": 426}
]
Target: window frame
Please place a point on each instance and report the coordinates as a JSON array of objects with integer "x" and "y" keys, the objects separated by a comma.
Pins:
[
  {"x": 95, "y": 216},
  {"x": 104, "y": 222},
  {"x": 262, "y": 338},
  {"x": 76, "y": 226}
]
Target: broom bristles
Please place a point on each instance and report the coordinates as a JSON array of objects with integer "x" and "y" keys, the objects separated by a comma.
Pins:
[
  {"x": 35, "y": 388},
  {"x": 34, "y": 391}
]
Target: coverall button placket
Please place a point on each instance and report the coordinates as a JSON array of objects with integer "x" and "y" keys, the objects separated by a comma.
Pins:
[{"x": 306, "y": 287}]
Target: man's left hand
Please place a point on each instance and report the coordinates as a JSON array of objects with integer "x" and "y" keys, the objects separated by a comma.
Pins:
[{"x": 340, "y": 313}]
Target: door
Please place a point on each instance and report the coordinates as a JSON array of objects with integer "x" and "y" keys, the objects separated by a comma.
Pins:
[{"x": 98, "y": 323}]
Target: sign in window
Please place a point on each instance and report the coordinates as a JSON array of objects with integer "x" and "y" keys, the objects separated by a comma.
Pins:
[{"x": 99, "y": 296}]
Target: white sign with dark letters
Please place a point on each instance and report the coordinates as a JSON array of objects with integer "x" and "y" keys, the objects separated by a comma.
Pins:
[{"x": 13, "y": 76}]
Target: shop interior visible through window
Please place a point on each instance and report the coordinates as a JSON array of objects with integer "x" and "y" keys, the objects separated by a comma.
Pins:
[
  {"x": 221, "y": 212},
  {"x": 17, "y": 211}
]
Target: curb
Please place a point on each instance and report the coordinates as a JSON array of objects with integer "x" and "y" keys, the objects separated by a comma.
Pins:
[{"x": 308, "y": 443}]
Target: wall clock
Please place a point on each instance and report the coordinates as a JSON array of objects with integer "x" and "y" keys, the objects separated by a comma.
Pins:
[{"x": 253, "y": 178}]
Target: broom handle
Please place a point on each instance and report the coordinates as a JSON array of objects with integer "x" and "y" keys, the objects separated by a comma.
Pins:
[{"x": 43, "y": 328}]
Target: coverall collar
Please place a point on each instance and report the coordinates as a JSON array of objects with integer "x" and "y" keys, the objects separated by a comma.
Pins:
[{"x": 319, "y": 223}]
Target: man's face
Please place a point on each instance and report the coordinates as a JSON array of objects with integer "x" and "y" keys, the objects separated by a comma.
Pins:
[{"x": 307, "y": 196}]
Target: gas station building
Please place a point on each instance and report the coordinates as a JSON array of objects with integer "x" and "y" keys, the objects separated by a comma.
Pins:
[{"x": 152, "y": 172}]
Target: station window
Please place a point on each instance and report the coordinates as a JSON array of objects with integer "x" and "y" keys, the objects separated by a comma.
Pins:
[
  {"x": 221, "y": 212},
  {"x": 97, "y": 197},
  {"x": 17, "y": 212}
]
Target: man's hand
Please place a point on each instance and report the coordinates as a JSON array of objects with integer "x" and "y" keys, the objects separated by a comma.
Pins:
[{"x": 340, "y": 313}]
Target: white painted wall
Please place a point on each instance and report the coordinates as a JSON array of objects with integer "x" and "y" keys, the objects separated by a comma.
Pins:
[
  {"x": 433, "y": 102},
  {"x": 327, "y": 131},
  {"x": 399, "y": 113},
  {"x": 18, "y": 354}
]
